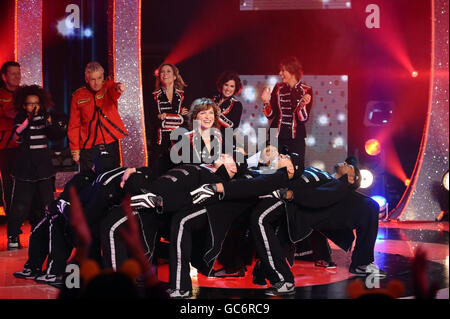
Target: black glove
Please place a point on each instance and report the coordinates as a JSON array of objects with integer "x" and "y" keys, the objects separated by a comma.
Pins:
[{"x": 202, "y": 193}]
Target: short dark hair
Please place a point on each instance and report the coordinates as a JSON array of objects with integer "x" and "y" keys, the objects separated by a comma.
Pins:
[
  {"x": 293, "y": 66},
  {"x": 20, "y": 96},
  {"x": 357, "y": 183},
  {"x": 203, "y": 104},
  {"x": 6, "y": 65},
  {"x": 352, "y": 160},
  {"x": 227, "y": 76}
]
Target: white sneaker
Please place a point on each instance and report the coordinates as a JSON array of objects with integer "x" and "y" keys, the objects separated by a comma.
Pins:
[
  {"x": 281, "y": 288},
  {"x": 179, "y": 294}
]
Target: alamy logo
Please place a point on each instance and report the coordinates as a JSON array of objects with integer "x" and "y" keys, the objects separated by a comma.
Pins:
[
  {"x": 73, "y": 19},
  {"x": 73, "y": 277},
  {"x": 373, "y": 19},
  {"x": 372, "y": 280}
]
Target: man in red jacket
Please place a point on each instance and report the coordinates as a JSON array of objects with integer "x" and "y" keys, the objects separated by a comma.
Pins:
[
  {"x": 11, "y": 77},
  {"x": 95, "y": 125}
]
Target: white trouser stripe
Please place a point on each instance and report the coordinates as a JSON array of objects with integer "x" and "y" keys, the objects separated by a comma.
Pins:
[
  {"x": 49, "y": 268},
  {"x": 179, "y": 237},
  {"x": 111, "y": 240},
  {"x": 263, "y": 233}
]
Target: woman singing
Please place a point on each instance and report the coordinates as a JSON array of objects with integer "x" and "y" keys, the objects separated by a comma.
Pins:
[{"x": 167, "y": 114}]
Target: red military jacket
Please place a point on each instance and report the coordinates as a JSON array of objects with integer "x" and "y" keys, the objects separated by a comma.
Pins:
[
  {"x": 94, "y": 117},
  {"x": 7, "y": 115}
]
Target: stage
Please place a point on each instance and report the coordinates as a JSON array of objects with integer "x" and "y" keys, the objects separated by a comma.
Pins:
[{"x": 394, "y": 251}]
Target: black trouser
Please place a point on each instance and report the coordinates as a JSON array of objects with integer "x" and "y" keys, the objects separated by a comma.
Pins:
[
  {"x": 7, "y": 162},
  {"x": 267, "y": 215},
  {"x": 88, "y": 156},
  {"x": 321, "y": 250},
  {"x": 183, "y": 225},
  {"x": 25, "y": 196},
  {"x": 159, "y": 156},
  {"x": 294, "y": 146},
  {"x": 358, "y": 212},
  {"x": 237, "y": 248},
  {"x": 114, "y": 249},
  {"x": 50, "y": 237}
]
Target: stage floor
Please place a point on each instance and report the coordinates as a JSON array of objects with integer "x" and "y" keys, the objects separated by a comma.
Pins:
[{"x": 394, "y": 250}]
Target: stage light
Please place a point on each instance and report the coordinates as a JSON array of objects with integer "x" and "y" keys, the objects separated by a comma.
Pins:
[
  {"x": 273, "y": 80},
  {"x": 380, "y": 200},
  {"x": 249, "y": 93},
  {"x": 318, "y": 164},
  {"x": 323, "y": 120},
  {"x": 373, "y": 147},
  {"x": 445, "y": 180},
  {"x": 263, "y": 119},
  {"x": 156, "y": 72},
  {"x": 341, "y": 117},
  {"x": 64, "y": 29},
  {"x": 338, "y": 142},
  {"x": 344, "y": 78},
  {"x": 378, "y": 113},
  {"x": 310, "y": 141},
  {"x": 407, "y": 182},
  {"x": 87, "y": 33},
  {"x": 366, "y": 178},
  {"x": 414, "y": 74}
]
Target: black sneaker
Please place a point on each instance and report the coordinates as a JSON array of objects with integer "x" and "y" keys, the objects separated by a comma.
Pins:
[
  {"x": 366, "y": 270},
  {"x": 222, "y": 273},
  {"x": 281, "y": 288},
  {"x": 14, "y": 242},
  {"x": 325, "y": 264},
  {"x": 259, "y": 278},
  {"x": 27, "y": 273}
]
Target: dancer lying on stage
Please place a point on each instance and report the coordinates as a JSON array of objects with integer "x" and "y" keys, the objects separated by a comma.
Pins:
[{"x": 316, "y": 201}]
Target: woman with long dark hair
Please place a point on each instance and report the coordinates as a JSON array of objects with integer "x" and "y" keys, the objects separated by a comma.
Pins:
[{"x": 229, "y": 85}]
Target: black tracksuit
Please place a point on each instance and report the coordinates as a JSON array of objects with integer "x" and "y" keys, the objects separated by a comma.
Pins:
[
  {"x": 52, "y": 236},
  {"x": 322, "y": 203},
  {"x": 188, "y": 227},
  {"x": 174, "y": 187},
  {"x": 33, "y": 173}
]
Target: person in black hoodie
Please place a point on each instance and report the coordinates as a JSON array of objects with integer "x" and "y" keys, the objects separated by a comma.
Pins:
[{"x": 33, "y": 171}]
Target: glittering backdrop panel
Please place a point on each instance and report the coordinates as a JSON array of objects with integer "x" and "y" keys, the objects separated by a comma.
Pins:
[
  {"x": 126, "y": 60},
  {"x": 422, "y": 204},
  {"x": 28, "y": 42}
]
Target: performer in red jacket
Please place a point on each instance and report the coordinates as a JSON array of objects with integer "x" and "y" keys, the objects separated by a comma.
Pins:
[
  {"x": 11, "y": 77},
  {"x": 95, "y": 124}
]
